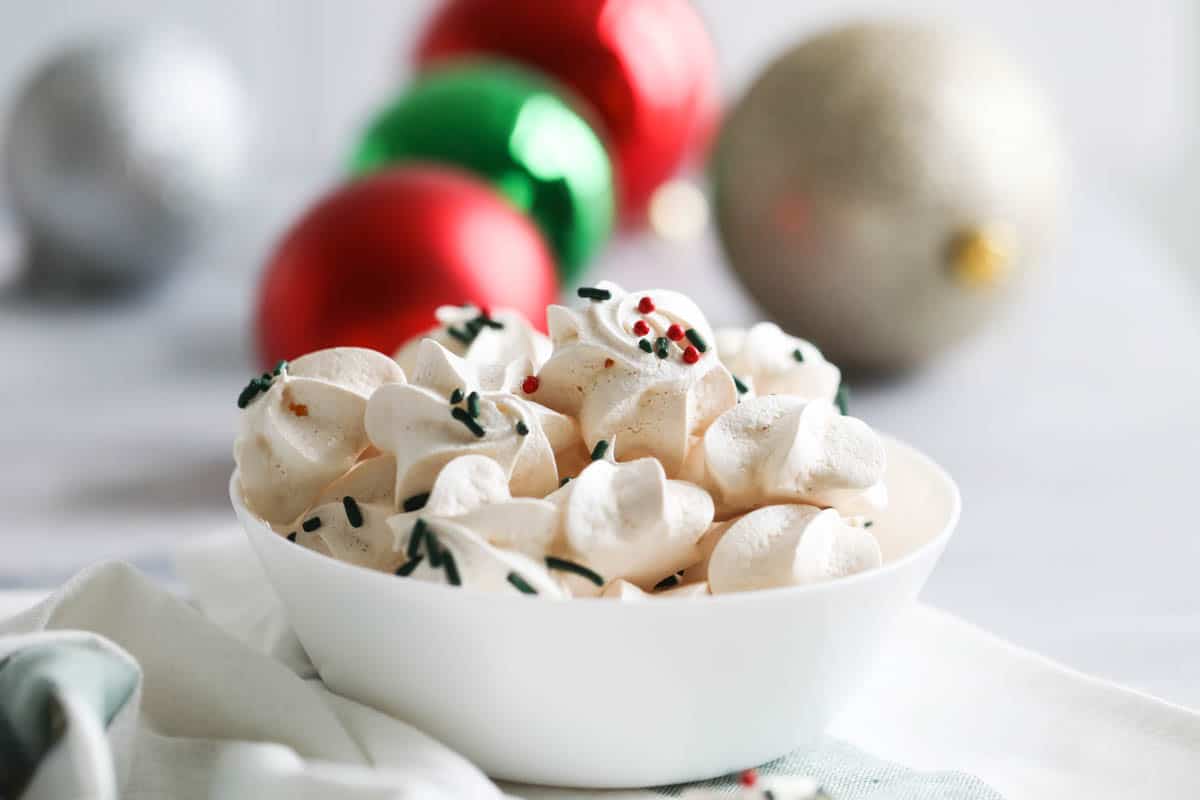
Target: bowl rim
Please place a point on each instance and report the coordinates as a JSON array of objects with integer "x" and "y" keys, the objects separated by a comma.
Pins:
[{"x": 933, "y": 544}]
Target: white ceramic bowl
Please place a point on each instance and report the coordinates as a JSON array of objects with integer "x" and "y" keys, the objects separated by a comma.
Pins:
[{"x": 597, "y": 693}]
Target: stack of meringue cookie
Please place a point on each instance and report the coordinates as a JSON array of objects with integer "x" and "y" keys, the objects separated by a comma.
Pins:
[{"x": 632, "y": 454}]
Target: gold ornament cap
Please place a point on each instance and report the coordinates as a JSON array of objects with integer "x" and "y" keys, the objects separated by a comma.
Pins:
[{"x": 980, "y": 256}]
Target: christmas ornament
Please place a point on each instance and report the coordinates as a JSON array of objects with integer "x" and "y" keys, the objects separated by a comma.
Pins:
[
  {"x": 646, "y": 67},
  {"x": 512, "y": 127},
  {"x": 882, "y": 188},
  {"x": 119, "y": 152},
  {"x": 369, "y": 264}
]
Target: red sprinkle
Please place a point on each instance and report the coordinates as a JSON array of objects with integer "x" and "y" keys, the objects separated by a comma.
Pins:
[
  {"x": 748, "y": 777},
  {"x": 674, "y": 333},
  {"x": 645, "y": 305},
  {"x": 691, "y": 355},
  {"x": 640, "y": 328},
  {"x": 530, "y": 384}
]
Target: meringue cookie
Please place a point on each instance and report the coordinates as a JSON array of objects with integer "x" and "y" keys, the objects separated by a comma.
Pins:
[
  {"x": 416, "y": 423},
  {"x": 472, "y": 491},
  {"x": 629, "y": 521},
  {"x": 769, "y": 361},
  {"x": 484, "y": 344},
  {"x": 351, "y": 531},
  {"x": 307, "y": 428},
  {"x": 478, "y": 564},
  {"x": 599, "y": 374},
  {"x": 789, "y": 545},
  {"x": 784, "y": 449}
]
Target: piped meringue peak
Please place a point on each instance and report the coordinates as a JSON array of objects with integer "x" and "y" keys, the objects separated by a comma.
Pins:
[
  {"x": 481, "y": 336},
  {"x": 768, "y": 361},
  {"x": 633, "y": 455},
  {"x": 784, "y": 449},
  {"x": 453, "y": 408},
  {"x": 636, "y": 366},
  {"x": 305, "y": 428}
]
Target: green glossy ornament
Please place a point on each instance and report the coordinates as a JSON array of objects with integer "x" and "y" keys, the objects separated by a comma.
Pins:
[{"x": 516, "y": 130}]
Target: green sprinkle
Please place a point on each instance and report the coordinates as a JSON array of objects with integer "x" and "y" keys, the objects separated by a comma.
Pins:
[
  {"x": 662, "y": 347},
  {"x": 645, "y": 345},
  {"x": 695, "y": 338},
  {"x": 741, "y": 387},
  {"x": 842, "y": 399},
  {"x": 491, "y": 323},
  {"x": 466, "y": 419},
  {"x": 868, "y": 523},
  {"x": 570, "y": 566},
  {"x": 353, "y": 512},
  {"x": 415, "y": 536},
  {"x": 281, "y": 366},
  {"x": 796, "y": 354},
  {"x": 433, "y": 547},
  {"x": 265, "y": 379},
  {"x": 249, "y": 393},
  {"x": 473, "y": 326},
  {"x": 416, "y": 502},
  {"x": 456, "y": 397},
  {"x": 522, "y": 428},
  {"x": 519, "y": 582},
  {"x": 473, "y": 404},
  {"x": 564, "y": 482},
  {"x": 291, "y": 537},
  {"x": 311, "y": 524},
  {"x": 451, "y": 567},
  {"x": 592, "y": 293},
  {"x": 459, "y": 335},
  {"x": 667, "y": 582},
  {"x": 406, "y": 569},
  {"x": 599, "y": 450}
]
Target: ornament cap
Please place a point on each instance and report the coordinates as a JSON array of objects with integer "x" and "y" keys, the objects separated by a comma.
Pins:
[{"x": 980, "y": 256}]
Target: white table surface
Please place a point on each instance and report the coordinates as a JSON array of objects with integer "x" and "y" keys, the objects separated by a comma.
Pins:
[{"x": 1072, "y": 426}]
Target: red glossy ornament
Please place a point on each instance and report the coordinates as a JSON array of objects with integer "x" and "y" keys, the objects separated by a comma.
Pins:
[
  {"x": 691, "y": 355},
  {"x": 675, "y": 333},
  {"x": 369, "y": 263},
  {"x": 640, "y": 328},
  {"x": 646, "y": 305},
  {"x": 530, "y": 384},
  {"x": 647, "y": 67}
]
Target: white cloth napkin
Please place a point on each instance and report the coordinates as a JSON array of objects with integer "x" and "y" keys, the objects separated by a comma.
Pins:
[{"x": 947, "y": 696}]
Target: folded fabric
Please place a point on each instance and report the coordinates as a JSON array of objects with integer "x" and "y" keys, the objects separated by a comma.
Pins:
[{"x": 209, "y": 717}]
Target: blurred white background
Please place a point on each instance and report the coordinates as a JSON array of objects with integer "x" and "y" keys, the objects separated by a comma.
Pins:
[{"x": 1070, "y": 425}]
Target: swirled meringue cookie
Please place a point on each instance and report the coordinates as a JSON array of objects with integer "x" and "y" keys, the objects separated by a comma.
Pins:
[
  {"x": 473, "y": 491},
  {"x": 781, "y": 449},
  {"x": 475, "y": 563},
  {"x": 768, "y": 361},
  {"x": 639, "y": 368},
  {"x": 370, "y": 484},
  {"x": 496, "y": 338},
  {"x": 630, "y": 521},
  {"x": 789, "y": 545},
  {"x": 451, "y": 410},
  {"x": 306, "y": 428}
]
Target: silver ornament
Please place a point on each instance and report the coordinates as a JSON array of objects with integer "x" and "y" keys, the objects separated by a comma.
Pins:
[
  {"x": 119, "y": 153},
  {"x": 882, "y": 188}
]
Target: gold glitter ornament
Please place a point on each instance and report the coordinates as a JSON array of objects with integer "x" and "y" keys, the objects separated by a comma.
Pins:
[{"x": 881, "y": 189}]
